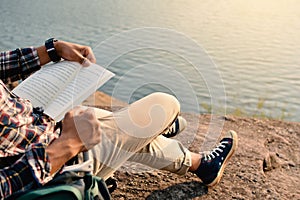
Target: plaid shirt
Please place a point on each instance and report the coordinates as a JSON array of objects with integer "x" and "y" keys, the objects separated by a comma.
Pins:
[{"x": 24, "y": 133}]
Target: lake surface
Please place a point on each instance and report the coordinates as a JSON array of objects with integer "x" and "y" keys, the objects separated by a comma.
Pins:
[{"x": 232, "y": 56}]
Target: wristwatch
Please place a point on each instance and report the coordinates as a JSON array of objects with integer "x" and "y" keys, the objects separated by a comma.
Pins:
[{"x": 49, "y": 44}]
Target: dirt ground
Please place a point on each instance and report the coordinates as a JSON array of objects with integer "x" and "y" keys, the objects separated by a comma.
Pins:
[{"x": 265, "y": 165}]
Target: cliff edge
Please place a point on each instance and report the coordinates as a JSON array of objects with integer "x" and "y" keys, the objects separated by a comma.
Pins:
[{"x": 265, "y": 165}]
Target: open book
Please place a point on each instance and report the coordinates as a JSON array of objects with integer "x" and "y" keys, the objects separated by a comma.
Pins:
[{"x": 60, "y": 86}]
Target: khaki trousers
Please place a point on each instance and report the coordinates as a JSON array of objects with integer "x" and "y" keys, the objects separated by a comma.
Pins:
[{"x": 134, "y": 134}]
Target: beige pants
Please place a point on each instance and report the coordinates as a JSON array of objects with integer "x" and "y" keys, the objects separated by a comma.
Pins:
[{"x": 134, "y": 134}]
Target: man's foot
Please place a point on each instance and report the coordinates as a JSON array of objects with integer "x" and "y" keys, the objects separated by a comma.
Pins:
[
  {"x": 178, "y": 126},
  {"x": 213, "y": 163}
]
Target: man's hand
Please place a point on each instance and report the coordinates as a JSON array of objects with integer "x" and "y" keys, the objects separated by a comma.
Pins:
[
  {"x": 81, "y": 131},
  {"x": 68, "y": 51},
  {"x": 82, "y": 126},
  {"x": 75, "y": 52}
]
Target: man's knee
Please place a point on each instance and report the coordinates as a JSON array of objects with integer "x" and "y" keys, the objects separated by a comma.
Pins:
[{"x": 167, "y": 101}]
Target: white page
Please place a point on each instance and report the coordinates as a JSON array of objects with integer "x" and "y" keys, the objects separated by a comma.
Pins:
[
  {"x": 43, "y": 86},
  {"x": 86, "y": 81}
]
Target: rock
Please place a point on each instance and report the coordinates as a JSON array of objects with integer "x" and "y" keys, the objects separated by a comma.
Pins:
[
  {"x": 271, "y": 161},
  {"x": 290, "y": 130}
]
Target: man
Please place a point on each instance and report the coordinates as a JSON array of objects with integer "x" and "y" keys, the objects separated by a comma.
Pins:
[
  {"x": 25, "y": 136},
  {"x": 33, "y": 148}
]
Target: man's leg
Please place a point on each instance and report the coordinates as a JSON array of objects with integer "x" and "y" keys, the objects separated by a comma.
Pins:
[
  {"x": 154, "y": 150},
  {"x": 128, "y": 131},
  {"x": 168, "y": 154},
  {"x": 165, "y": 154}
]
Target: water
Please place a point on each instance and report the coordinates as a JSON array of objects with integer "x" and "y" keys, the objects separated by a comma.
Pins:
[{"x": 253, "y": 44}]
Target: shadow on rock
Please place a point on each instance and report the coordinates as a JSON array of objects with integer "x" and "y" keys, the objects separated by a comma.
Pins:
[{"x": 186, "y": 190}]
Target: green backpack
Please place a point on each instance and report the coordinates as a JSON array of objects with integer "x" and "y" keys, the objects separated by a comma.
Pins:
[{"x": 70, "y": 185}]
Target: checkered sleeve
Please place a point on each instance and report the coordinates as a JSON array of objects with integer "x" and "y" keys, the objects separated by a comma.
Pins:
[
  {"x": 39, "y": 163},
  {"x": 31, "y": 170},
  {"x": 18, "y": 64}
]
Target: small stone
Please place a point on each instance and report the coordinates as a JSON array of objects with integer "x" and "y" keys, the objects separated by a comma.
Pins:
[
  {"x": 271, "y": 161},
  {"x": 290, "y": 130},
  {"x": 291, "y": 164},
  {"x": 228, "y": 118}
]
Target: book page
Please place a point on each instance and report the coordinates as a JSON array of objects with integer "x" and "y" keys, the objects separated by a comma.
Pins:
[
  {"x": 42, "y": 87},
  {"x": 85, "y": 82}
]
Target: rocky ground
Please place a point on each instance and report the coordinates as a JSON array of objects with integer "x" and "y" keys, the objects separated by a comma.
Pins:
[{"x": 265, "y": 165}]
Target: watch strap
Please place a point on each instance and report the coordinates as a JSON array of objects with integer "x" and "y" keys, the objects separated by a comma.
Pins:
[{"x": 49, "y": 44}]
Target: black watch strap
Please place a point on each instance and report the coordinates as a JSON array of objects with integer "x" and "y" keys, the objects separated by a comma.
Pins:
[{"x": 49, "y": 44}]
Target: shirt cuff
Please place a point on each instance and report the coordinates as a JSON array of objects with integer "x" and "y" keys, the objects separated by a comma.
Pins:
[
  {"x": 39, "y": 163},
  {"x": 29, "y": 61}
]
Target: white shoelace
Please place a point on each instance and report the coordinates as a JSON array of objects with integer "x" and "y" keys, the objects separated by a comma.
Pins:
[{"x": 215, "y": 152}]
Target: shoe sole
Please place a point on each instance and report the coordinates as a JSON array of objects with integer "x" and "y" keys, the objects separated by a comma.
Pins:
[{"x": 234, "y": 147}]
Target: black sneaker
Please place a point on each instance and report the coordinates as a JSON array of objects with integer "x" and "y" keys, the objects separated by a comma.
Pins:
[
  {"x": 178, "y": 126},
  {"x": 212, "y": 164}
]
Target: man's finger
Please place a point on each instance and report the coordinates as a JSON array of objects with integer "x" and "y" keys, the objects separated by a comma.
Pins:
[{"x": 91, "y": 57}]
